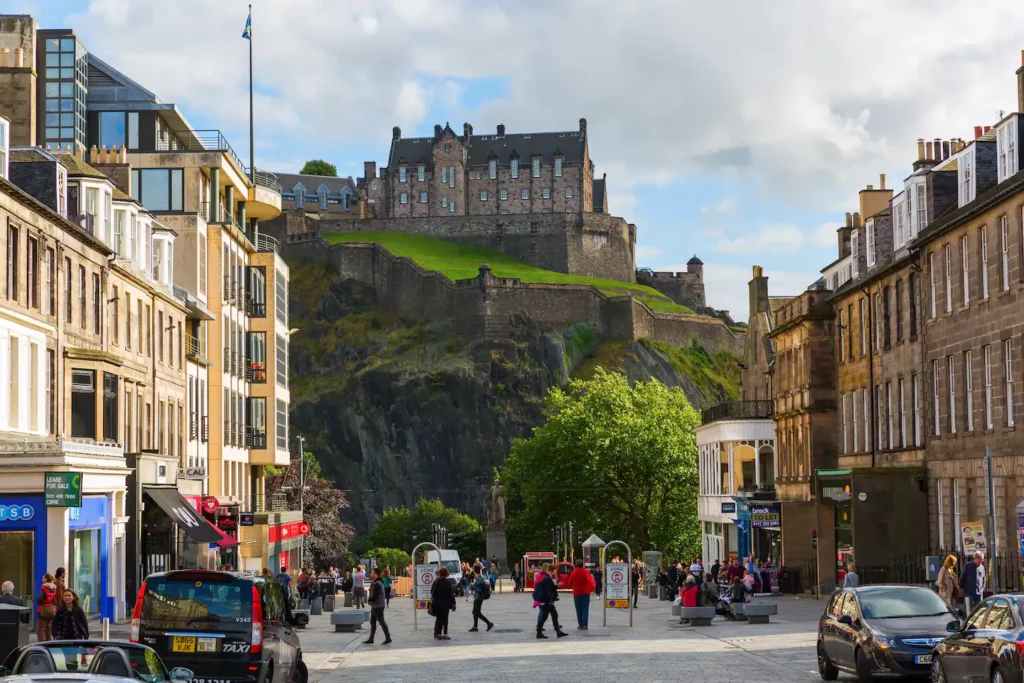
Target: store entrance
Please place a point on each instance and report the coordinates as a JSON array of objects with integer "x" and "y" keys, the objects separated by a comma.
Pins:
[
  {"x": 16, "y": 548},
  {"x": 844, "y": 536}
]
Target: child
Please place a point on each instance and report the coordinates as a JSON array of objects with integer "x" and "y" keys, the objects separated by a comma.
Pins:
[{"x": 748, "y": 582}]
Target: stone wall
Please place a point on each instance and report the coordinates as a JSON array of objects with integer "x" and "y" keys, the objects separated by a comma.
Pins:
[
  {"x": 481, "y": 306},
  {"x": 686, "y": 289}
]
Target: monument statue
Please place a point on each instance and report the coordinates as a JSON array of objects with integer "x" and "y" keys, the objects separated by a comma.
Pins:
[{"x": 496, "y": 504}]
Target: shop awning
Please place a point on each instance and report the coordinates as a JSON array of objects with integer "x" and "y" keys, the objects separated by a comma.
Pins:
[
  {"x": 183, "y": 514},
  {"x": 224, "y": 541}
]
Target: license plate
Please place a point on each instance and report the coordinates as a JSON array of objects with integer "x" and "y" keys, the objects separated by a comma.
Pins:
[
  {"x": 923, "y": 659},
  {"x": 206, "y": 645},
  {"x": 183, "y": 644}
]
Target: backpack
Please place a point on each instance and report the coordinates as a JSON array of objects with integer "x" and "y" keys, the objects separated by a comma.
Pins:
[
  {"x": 486, "y": 592},
  {"x": 47, "y": 610}
]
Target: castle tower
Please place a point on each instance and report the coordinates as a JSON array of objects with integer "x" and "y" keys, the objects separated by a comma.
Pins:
[{"x": 696, "y": 266}]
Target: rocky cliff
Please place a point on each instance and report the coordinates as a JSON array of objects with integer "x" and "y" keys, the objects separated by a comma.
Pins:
[{"x": 396, "y": 409}]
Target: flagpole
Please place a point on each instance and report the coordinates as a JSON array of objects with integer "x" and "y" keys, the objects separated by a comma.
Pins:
[{"x": 252, "y": 148}]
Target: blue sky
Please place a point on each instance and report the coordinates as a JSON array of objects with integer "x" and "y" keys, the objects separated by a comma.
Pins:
[{"x": 739, "y": 132}]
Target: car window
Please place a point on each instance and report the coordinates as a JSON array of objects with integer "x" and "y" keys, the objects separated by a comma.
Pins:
[
  {"x": 999, "y": 618},
  {"x": 850, "y": 607},
  {"x": 977, "y": 618},
  {"x": 178, "y": 601},
  {"x": 901, "y": 603},
  {"x": 835, "y": 605}
]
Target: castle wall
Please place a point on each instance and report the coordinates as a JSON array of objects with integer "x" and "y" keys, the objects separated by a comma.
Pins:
[{"x": 686, "y": 289}]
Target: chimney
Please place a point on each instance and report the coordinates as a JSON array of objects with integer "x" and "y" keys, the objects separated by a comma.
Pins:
[
  {"x": 945, "y": 149},
  {"x": 870, "y": 188},
  {"x": 437, "y": 130},
  {"x": 369, "y": 169},
  {"x": 988, "y": 128},
  {"x": 856, "y": 219},
  {"x": 849, "y": 219},
  {"x": 5, "y": 56},
  {"x": 396, "y": 133},
  {"x": 977, "y": 132},
  {"x": 19, "y": 57},
  {"x": 929, "y": 151},
  {"x": 467, "y": 133},
  {"x": 938, "y": 150},
  {"x": 758, "y": 292},
  {"x": 583, "y": 127},
  {"x": 881, "y": 181},
  {"x": 920, "y": 149},
  {"x": 501, "y": 130},
  {"x": 1020, "y": 84}
]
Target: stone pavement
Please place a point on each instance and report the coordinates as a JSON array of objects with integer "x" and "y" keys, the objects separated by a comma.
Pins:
[{"x": 657, "y": 648}]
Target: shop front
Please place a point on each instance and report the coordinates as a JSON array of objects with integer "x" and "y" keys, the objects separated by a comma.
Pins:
[
  {"x": 89, "y": 551},
  {"x": 23, "y": 535},
  {"x": 269, "y": 540},
  {"x": 766, "y": 536}
]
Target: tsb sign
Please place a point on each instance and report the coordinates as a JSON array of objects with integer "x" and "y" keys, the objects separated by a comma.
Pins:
[{"x": 14, "y": 513}]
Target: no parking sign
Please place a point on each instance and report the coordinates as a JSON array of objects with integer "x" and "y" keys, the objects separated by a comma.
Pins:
[
  {"x": 617, "y": 593},
  {"x": 425, "y": 577}
]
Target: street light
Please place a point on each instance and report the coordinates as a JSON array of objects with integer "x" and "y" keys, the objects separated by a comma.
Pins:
[{"x": 302, "y": 489}]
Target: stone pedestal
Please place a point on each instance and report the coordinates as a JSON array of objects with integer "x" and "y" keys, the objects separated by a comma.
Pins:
[{"x": 497, "y": 545}]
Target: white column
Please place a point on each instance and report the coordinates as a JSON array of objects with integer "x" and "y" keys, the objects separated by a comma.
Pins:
[
  {"x": 24, "y": 376},
  {"x": 5, "y": 378},
  {"x": 40, "y": 385},
  {"x": 732, "y": 473},
  {"x": 757, "y": 463},
  {"x": 56, "y": 539}
]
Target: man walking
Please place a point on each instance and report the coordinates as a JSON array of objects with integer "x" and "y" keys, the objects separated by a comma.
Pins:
[
  {"x": 377, "y": 604},
  {"x": 481, "y": 591},
  {"x": 545, "y": 592},
  {"x": 972, "y": 582},
  {"x": 358, "y": 587}
]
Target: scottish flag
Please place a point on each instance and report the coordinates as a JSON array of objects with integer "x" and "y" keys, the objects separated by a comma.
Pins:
[{"x": 247, "y": 33}]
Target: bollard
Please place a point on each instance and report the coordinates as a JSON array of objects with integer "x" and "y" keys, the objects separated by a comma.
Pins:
[
  {"x": 105, "y": 629},
  {"x": 315, "y": 607},
  {"x": 303, "y": 603},
  {"x": 348, "y": 599},
  {"x": 328, "y": 603}
]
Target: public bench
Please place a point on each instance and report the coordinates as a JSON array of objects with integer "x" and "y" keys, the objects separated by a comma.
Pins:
[
  {"x": 301, "y": 622},
  {"x": 758, "y": 613},
  {"x": 698, "y": 616},
  {"x": 348, "y": 620},
  {"x": 739, "y": 610},
  {"x": 675, "y": 610}
]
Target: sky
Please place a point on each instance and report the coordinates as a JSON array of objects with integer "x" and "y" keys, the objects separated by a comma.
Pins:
[{"x": 739, "y": 131}]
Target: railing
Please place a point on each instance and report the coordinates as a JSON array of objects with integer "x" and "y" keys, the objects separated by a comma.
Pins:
[
  {"x": 275, "y": 502},
  {"x": 256, "y": 309},
  {"x": 221, "y": 215},
  {"x": 257, "y": 372},
  {"x": 1003, "y": 572},
  {"x": 266, "y": 243},
  {"x": 193, "y": 347},
  {"x": 200, "y": 141},
  {"x": 204, "y": 429},
  {"x": 255, "y": 438},
  {"x": 264, "y": 179},
  {"x": 226, "y": 361},
  {"x": 193, "y": 427},
  {"x": 737, "y": 410}
]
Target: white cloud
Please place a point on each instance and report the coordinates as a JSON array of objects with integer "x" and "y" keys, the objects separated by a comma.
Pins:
[
  {"x": 620, "y": 203},
  {"x": 771, "y": 239},
  {"x": 412, "y": 102},
  {"x": 824, "y": 235},
  {"x": 723, "y": 207},
  {"x": 643, "y": 253},
  {"x": 725, "y": 286}
]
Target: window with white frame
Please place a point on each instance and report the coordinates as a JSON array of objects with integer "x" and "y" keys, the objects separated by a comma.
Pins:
[
  {"x": 915, "y": 401},
  {"x": 854, "y": 248},
  {"x": 423, "y": 197},
  {"x": 492, "y": 169},
  {"x": 444, "y": 175},
  {"x": 908, "y": 221},
  {"x": 558, "y": 167},
  {"x": 969, "y": 391},
  {"x": 444, "y": 202},
  {"x": 536, "y": 167},
  {"x": 941, "y": 510},
  {"x": 515, "y": 168},
  {"x": 403, "y": 198},
  {"x": 880, "y": 427},
  {"x": 568, "y": 193},
  {"x": 525, "y": 193},
  {"x": 451, "y": 207},
  {"x": 421, "y": 173},
  {"x": 951, "y": 380},
  {"x": 931, "y": 280},
  {"x": 483, "y": 195},
  {"x": 983, "y": 247},
  {"x": 1006, "y": 149},
  {"x": 870, "y": 230},
  {"x": 965, "y": 172},
  {"x": 987, "y": 353},
  {"x": 965, "y": 277},
  {"x": 866, "y": 400},
  {"x": 402, "y": 174},
  {"x": 547, "y": 193},
  {"x": 503, "y": 194},
  {"x": 5, "y": 143},
  {"x": 1008, "y": 370},
  {"x": 451, "y": 176},
  {"x": 902, "y": 398},
  {"x": 922, "y": 210},
  {"x": 846, "y": 443},
  {"x": 957, "y": 540},
  {"x": 898, "y": 228},
  {"x": 936, "y": 427},
  {"x": 1004, "y": 253},
  {"x": 948, "y": 256},
  {"x": 853, "y": 420}
]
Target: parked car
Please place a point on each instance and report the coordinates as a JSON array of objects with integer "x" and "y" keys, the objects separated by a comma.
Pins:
[
  {"x": 225, "y": 627},
  {"x": 881, "y": 631},
  {"x": 86, "y": 659},
  {"x": 988, "y": 646}
]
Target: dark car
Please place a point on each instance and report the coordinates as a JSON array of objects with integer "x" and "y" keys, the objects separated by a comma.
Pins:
[
  {"x": 90, "y": 658},
  {"x": 881, "y": 631},
  {"x": 989, "y": 646},
  {"x": 225, "y": 627}
]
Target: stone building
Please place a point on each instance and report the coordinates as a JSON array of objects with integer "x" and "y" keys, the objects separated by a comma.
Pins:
[
  {"x": 685, "y": 288},
  {"x": 322, "y": 197},
  {"x": 482, "y": 175}
]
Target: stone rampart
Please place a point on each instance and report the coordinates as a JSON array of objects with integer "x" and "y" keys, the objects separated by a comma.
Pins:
[{"x": 686, "y": 289}]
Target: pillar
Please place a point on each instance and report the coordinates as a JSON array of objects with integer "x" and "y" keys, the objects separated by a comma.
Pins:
[
  {"x": 229, "y": 201},
  {"x": 56, "y": 540},
  {"x": 214, "y": 195}
]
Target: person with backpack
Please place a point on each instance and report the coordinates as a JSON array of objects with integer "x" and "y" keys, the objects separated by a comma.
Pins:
[
  {"x": 481, "y": 592},
  {"x": 47, "y": 609},
  {"x": 582, "y": 584},
  {"x": 358, "y": 591},
  {"x": 545, "y": 593}
]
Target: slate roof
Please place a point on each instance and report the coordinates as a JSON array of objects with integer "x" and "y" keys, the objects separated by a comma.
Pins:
[
  {"x": 77, "y": 167},
  {"x": 288, "y": 181},
  {"x": 28, "y": 155},
  {"x": 695, "y": 261},
  {"x": 599, "y": 185},
  {"x": 569, "y": 144}
]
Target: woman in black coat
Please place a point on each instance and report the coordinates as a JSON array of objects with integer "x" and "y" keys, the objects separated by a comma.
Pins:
[
  {"x": 442, "y": 601},
  {"x": 70, "y": 622}
]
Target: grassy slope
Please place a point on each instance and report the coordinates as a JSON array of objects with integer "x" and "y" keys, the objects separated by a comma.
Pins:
[
  {"x": 459, "y": 261},
  {"x": 695, "y": 362}
]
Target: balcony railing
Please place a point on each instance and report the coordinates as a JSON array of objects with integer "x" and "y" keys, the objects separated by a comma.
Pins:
[
  {"x": 226, "y": 361},
  {"x": 193, "y": 427},
  {"x": 255, "y": 438},
  {"x": 266, "y": 243},
  {"x": 200, "y": 141},
  {"x": 256, "y": 309},
  {"x": 204, "y": 429},
  {"x": 221, "y": 215},
  {"x": 257, "y": 372},
  {"x": 737, "y": 410},
  {"x": 264, "y": 179},
  {"x": 275, "y": 502},
  {"x": 193, "y": 347}
]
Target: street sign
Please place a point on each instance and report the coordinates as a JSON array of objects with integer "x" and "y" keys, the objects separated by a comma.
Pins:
[
  {"x": 246, "y": 518},
  {"x": 728, "y": 508},
  {"x": 425, "y": 577},
  {"x": 62, "y": 489},
  {"x": 617, "y": 593}
]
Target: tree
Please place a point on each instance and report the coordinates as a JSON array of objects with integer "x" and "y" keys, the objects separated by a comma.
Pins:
[
  {"x": 310, "y": 464},
  {"x": 615, "y": 460},
  {"x": 390, "y": 557},
  {"x": 404, "y": 528},
  {"x": 321, "y": 502},
  {"x": 319, "y": 167}
]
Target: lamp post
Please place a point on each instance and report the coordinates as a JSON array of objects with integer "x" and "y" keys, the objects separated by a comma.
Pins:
[{"x": 302, "y": 490}]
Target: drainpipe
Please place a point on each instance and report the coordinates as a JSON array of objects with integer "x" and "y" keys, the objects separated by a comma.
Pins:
[{"x": 871, "y": 374}]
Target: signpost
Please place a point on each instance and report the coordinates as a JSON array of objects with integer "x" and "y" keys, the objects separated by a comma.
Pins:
[
  {"x": 62, "y": 489},
  {"x": 617, "y": 584},
  {"x": 424, "y": 576}
]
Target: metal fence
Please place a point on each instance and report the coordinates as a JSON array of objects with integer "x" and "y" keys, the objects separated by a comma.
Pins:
[
  {"x": 1004, "y": 572},
  {"x": 737, "y": 410}
]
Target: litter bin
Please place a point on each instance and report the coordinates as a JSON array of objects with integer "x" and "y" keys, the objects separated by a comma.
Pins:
[
  {"x": 15, "y": 627},
  {"x": 789, "y": 581},
  {"x": 665, "y": 594}
]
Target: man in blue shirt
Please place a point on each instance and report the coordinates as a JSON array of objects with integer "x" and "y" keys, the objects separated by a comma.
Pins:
[
  {"x": 481, "y": 591},
  {"x": 286, "y": 581}
]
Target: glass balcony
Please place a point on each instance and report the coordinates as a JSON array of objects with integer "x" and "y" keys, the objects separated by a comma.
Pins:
[{"x": 737, "y": 410}]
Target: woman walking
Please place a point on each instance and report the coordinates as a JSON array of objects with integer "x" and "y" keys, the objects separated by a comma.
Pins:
[
  {"x": 442, "y": 601},
  {"x": 70, "y": 622},
  {"x": 47, "y": 609},
  {"x": 947, "y": 582},
  {"x": 851, "y": 580}
]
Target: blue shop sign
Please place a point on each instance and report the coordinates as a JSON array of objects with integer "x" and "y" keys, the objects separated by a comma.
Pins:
[
  {"x": 728, "y": 508},
  {"x": 17, "y": 512}
]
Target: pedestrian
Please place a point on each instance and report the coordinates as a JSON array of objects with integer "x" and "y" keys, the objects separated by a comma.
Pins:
[
  {"x": 748, "y": 582},
  {"x": 737, "y": 595},
  {"x": 47, "y": 608},
  {"x": 493, "y": 576},
  {"x": 303, "y": 581},
  {"x": 598, "y": 579},
  {"x": 8, "y": 597},
  {"x": 946, "y": 582},
  {"x": 70, "y": 622},
  {"x": 358, "y": 591},
  {"x": 385, "y": 577},
  {"x": 545, "y": 593},
  {"x": 286, "y": 582},
  {"x": 442, "y": 601},
  {"x": 377, "y": 604},
  {"x": 481, "y": 592},
  {"x": 514, "y": 575},
  {"x": 227, "y": 567},
  {"x": 709, "y": 592},
  {"x": 851, "y": 580},
  {"x": 972, "y": 582},
  {"x": 673, "y": 573},
  {"x": 716, "y": 568},
  {"x": 689, "y": 592},
  {"x": 495, "y": 564},
  {"x": 634, "y": 579},
  {"x": 346, "y": 583},
  {"x": 663, "y": 584},
  {"x": 313, "y": 586},
  {"x": 733, "y": 571},
  {"x": 59, "y": 581},
  {"x": 582, "y": 584}
]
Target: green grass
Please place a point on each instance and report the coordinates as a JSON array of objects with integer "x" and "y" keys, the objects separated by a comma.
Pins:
[
  {"x": 713, "y": 371},
  {"x": 460, "y": 262}
]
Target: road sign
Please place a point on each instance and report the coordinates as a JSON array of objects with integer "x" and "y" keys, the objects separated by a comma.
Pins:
[
  {"x": 617, "y": 593},
  {"x": 425, "y": 577}
]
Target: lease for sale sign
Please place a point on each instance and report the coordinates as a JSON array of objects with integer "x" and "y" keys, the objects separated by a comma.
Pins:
[{"x": 617, "y": 594}]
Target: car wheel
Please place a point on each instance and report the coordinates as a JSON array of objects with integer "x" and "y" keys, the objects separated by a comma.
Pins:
[
  {"x": 825, "y": 668},
  {"x": 864, "y": 674},
  {"x": 938, "y": 671},
  {"x": 997, "y": 675},
  {"x": 300, "y": 674}
]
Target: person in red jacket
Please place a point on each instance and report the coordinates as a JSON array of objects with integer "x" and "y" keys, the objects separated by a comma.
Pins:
[
  {"x": 582, "y": 583},
  {"x": 689, "y": 592}
]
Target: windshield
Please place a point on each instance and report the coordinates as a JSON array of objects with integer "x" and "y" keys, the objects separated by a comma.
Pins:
[
  {"x": 901, "y": 602},
  {"x": 190, "y": 601},
  {"x": 146, "y": 665}
]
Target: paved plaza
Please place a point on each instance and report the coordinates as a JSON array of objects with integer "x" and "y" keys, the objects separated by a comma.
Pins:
[{"x": 656, "y": 648}]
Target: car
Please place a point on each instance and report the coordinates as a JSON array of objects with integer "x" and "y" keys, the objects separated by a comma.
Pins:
[
  {"x": 881, "y": 631},
  {"x": 88, "y": 659},
  {"x": 988, "y": 646},
  {"x": 225, "y": 627}
]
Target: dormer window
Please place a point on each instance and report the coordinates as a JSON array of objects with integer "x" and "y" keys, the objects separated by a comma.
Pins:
[
  {"x": 421, "y": 173},
  {"x": 403, "y": 175},
  {"x": 1006, "y": 149},
  {"x": 558, "y": 167},
  {"x": 321, "y": 197},
  {"x": 515, "y": 168},
  {"x": 922, "y": 213},
  {"x": 898, "y": 225},
  {"x": 492, "y": 169},
  {"x": 536, "y": 167},
  {"x": 965, "y": 176},
  {"x": 870, "y": 228},
  {"x": 4, "y": 147},
  {"x": 854, "y": 256},
  {"x": 300, "y": 196}
]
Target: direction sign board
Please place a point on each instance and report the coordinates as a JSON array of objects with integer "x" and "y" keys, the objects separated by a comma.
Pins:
[
  {"x": 425, "y": 578},
  {"x": 617, "y": 594}
]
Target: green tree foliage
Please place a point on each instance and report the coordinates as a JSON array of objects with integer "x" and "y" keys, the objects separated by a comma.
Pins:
[
  {"x": 614, "y": 460},
  {"x": 319, "y": 167},
  {"x": 311, "y": 466},
  {"x": 321, "y": 502},
  {"x": 395, "y": 558},
  {"x": 404, "y": 528}
]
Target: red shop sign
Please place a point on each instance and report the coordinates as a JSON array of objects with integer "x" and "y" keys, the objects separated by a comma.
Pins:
[
  {"x": 282, "y": 532},
  {"x": 210, "y": 505}
]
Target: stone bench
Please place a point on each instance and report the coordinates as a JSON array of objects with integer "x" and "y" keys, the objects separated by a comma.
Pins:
[
  {"x": 675, "y": 610},
  {"x": 758, "y": 613},
  {"x": 316, "y": 607},
  {"x": 739, "y": 610},
  {"x": 349, "y": 620},
  {"x": 301, "y": 624},
  {"x": 698, "y": 616}
]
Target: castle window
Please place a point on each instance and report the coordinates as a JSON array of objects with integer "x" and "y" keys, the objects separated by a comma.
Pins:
[
  {"x": 526, "y": 193},
  {"x": 444, "y": 174},
  {"x": 421, "y": 173},
  {"x": 536, "y": 167},
  {"x": 568, "y": 193},
  {"x": 447, "y": 146},
  {"x": 402, "y": 174},
  {"x": 483, "y": 195},
  {"x": 321, "y": 197},
  {"x": 547, "y": 193},
  {"x": 451, "y": 207},
  {"x": 404, "y": 198},
  {"x": 444, "y": 202},
  {"x": 558, "y": 167},
  {"x": 515, "y": 168},
  {"x": 423, "y": 197},
  {"x": 503, "y": 194},
  {"x": 451, "y": 177},
  {"x": 492, "y": 169}
]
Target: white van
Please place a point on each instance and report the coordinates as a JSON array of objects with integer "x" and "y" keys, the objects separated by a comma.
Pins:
[{"x": 450, "y": 560}]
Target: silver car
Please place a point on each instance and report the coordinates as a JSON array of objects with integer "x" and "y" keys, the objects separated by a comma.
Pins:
[{"x": 87, "y": 660}]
